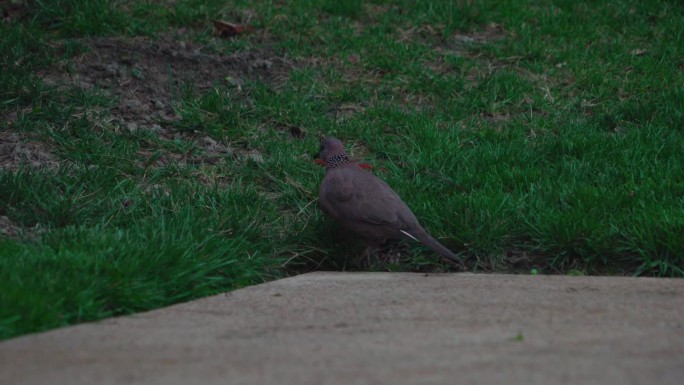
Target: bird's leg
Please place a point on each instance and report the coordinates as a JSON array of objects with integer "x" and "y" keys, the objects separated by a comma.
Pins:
[
  {"x": 372, "y": 246},
  {"x": 391, "y": 258}
]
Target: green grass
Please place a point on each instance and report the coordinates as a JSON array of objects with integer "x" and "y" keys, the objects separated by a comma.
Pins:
[{"x": 528, "y": 136}]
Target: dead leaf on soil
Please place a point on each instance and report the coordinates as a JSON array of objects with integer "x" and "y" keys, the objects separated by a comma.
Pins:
[
  {"x": 638, "y": 52},
  {"x": 353, "y": 59},
  {"x": 492, "y": 32},
  {"x": 345, "y": 111},
  {"x": 226, "y": 29},
  {"x": 495, "y": 117},
  {"x": 253, "y": 156}
]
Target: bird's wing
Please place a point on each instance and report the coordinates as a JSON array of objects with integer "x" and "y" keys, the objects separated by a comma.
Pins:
[{"x": 356, "y": 195}]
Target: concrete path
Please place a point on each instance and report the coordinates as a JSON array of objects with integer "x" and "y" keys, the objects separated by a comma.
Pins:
[{"x": 379, "y": 328}]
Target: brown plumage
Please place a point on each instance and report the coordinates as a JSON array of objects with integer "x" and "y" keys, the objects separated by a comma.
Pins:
[{"x": 367, "y": 206}]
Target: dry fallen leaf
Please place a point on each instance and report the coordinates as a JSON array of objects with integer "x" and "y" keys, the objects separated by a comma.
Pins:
[
  {"x": 353, "y": 59},
  {"x": 226, "y": 29},
  {"x": 638, "y": 52}
]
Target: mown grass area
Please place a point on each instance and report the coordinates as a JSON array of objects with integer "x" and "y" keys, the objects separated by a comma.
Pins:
[{"x": 523, "y": 134}]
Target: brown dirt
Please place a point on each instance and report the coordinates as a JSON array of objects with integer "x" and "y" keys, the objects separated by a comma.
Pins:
[
  {"x": 17, "y": 149},
  {"x": 147, "y": 78},
  {"x": 147, "y": 75},
  {"x": 8, "y": 228}
]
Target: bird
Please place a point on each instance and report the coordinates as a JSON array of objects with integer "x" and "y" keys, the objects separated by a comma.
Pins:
[{"x": 367, "y": 206}]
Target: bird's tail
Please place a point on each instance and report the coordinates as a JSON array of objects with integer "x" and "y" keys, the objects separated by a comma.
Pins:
[{"x": 427, "y": 240}]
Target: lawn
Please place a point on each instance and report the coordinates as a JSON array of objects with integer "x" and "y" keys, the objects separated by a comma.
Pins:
[{"x": 146, "y": 159}]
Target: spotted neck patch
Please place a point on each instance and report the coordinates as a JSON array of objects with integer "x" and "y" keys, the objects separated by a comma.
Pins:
[{"x": 337, "y": 159}]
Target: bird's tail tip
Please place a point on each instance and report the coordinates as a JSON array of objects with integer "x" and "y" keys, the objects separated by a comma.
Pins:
[{"x": 427, "y": 240}]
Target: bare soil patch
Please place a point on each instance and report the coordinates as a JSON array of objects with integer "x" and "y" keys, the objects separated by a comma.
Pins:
[
  {"x": 17, "y": 150},
  {"x": 9, "y": 228},
  {"x": 147, "y": 76}
]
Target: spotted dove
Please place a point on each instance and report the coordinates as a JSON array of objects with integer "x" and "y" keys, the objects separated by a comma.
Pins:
[{"x": 367, "y": 206}]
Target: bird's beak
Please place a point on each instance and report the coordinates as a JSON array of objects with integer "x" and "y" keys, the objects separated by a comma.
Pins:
[{"x": 318, "y": 159}]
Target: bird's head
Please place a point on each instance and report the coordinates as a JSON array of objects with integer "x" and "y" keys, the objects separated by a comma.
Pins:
[
  {"x": 329, "y": 147},
  {"x": 331, "y": 153}
]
